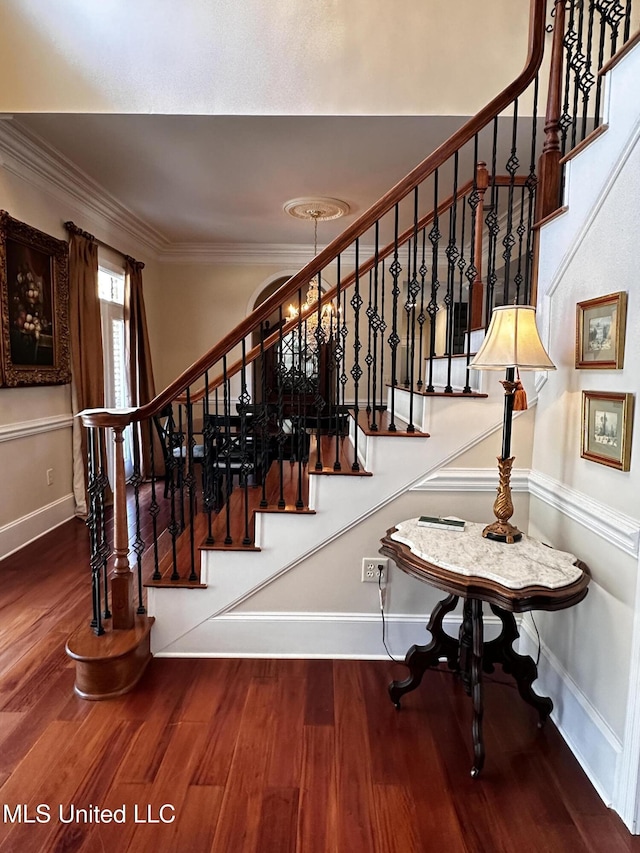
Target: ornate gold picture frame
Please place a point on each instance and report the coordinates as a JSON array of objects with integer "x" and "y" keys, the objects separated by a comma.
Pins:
[
  {"x": 600, "y": 332},
  {"x": 607, "y": 421},
  {"x": 34, "y": 306}
]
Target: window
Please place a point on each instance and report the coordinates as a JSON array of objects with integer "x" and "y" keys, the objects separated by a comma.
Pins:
[{"x": 111, "y": 286}]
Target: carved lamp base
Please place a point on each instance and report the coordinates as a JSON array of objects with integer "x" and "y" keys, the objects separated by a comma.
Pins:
[{"x": 502, "y": 531}]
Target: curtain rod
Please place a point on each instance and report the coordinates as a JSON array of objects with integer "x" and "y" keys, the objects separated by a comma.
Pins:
[{"x": 72, "y": 228}]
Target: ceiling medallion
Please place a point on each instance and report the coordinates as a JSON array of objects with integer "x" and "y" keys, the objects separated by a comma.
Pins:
[{"x": 320, "y": 209}]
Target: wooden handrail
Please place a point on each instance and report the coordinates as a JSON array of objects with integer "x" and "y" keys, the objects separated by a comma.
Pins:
[{"x": 535, "y": 51}]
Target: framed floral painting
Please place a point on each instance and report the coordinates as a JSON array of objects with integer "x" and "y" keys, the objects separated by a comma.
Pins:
[{"x": 34, "y": 306}]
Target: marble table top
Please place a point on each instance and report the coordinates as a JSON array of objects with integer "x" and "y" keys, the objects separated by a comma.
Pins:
[{"x": 516, "y": 566}]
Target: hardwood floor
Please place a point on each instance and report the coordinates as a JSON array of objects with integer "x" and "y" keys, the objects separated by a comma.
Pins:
[{"x": 264, "y": 755}]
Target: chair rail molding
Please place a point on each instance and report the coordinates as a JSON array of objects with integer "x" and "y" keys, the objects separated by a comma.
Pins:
[
  {"x": 25, "y": 429},
  {"x": 615, "y": 527}
]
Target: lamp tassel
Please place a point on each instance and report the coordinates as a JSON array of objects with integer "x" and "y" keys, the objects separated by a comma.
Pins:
[{"x": 519, "y": 397}]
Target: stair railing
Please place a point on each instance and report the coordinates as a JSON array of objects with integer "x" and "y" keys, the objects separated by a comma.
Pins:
[
  {"x": 586, "y": 36},
  {"x": 410, "y": 283}
]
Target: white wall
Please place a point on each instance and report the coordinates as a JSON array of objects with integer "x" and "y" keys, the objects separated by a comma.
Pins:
[
  {"x": 284, "y": 57},
  {"x": 589, "y": 252}
]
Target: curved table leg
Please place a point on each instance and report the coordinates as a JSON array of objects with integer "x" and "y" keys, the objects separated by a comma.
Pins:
[
  {"x": 420, "y": 658},
  {"x": 522, "y": 667},
  {"x": 476, "y": 686}
]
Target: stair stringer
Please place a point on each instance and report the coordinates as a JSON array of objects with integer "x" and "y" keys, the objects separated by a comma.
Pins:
[{"x": 340, "y": 502}]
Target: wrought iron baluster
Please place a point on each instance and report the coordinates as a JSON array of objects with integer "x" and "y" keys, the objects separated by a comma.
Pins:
[
  {"x": 105, "y": 549},
  {"x": 209, "y": 493},
  {"x": 322, "y": 362},
  {"x": 414, "y": 290},
  {"x": 627, "y": 21},
  {"x": 422, "y": 317},
  {"x": 264, "y": 419},
  {"x": 472, "y": 272},
  {"x": 508, "y": 241},
  {"x": 137, "y": 545},
  {"x": 452, "y": 254},
  {"x": 300, "y": 390},
  {"x": 578, "y": 62},
  {"x": 493, "y": 228},
  {"x": 280, "y": 372},
  {"x": 182, "y": 454},
  {"x": 531, "y": 186},
  {"x": 356, "y": 370},
  {"x": 374, "y": 324},
  {"x": 383, "y": 329},
  {"x": 172, "y": 463},
  {"x": 190, "y": 482},
  {"x": 226, "y": 445},
  {"x": 248, "y": 465},
  {"x": 587, "y": 78},
  {"x": 92, "y": 522},
  {"x": 368, "y": 360},
  {"x": 462, "y": 265},
  {"x": 432, "y": 307},
  {"x": 394, "y": 339},
  {"x": 569, "y": 40},
  {"x": 407, "y": 314},
  {"x": 338, "y": 357},
  {"x": 154, "y": 508}
]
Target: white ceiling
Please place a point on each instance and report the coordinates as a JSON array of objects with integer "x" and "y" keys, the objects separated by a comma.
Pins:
[
  {"x": 224, "y": 179},
  {"x": 203, "y": 118}
]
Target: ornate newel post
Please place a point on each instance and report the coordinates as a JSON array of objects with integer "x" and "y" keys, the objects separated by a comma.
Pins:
[
  {"x": 122, "y": 592},
  {"x": 548, "y": 191},
  {"x": 105, "y": 669}
]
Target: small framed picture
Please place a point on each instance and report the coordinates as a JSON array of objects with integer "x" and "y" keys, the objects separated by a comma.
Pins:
[
  {"x": 607, "y": 420},
  {"x": 600, "y": 328}
]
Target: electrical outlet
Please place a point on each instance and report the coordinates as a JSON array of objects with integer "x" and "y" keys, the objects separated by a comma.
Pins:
[
  {"x": 49, "y": 476},
  {"x": 374, "y": 566}
]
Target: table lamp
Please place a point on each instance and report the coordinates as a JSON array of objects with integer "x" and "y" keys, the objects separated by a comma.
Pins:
[{"x": 512, "y": 344}]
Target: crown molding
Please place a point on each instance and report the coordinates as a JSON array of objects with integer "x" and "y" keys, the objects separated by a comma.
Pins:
[
  {"x": 29, "y": 157},
  {"x": 278, "y": 254}
]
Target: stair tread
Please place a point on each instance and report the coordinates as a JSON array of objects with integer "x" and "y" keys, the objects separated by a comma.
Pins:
[
  {"x": 441, "y": 393},
  {"x": 383, "y": 422}
]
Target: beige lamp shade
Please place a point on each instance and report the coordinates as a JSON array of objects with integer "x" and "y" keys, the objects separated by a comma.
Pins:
[{"x": 512, "y": 341}]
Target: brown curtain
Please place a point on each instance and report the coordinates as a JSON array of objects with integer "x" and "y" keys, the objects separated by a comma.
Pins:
[
  {"x": 87, "y": 369},
  {"x": 141, "y": 382}
]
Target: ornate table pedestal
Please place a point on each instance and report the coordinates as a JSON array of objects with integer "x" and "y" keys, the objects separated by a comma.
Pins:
[{"x": 511, "y": 578}]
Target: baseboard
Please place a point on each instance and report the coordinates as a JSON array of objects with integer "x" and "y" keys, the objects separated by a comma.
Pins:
[
  {"x": 22, "y": 531},
  {"x": 588, "y": 736},
  {"x": 355, "y": 636}
]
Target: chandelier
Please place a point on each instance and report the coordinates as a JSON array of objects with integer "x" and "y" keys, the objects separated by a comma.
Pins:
[{"x": 317, "y": 322}]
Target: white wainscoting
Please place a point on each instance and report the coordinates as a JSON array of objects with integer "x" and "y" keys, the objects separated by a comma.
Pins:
[
  {"x": 311, "y": 635},
  {"x": 589, "y": 737}
]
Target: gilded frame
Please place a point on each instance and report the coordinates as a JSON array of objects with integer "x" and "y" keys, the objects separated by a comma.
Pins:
[
  {"x": 607, "y": 421},
  {"x": 600, "y": 332},
  {"x": 34, "y": 306}
]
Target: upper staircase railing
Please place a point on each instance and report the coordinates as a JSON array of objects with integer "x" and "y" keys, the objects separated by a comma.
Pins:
[{"x": 405, "y": 291}]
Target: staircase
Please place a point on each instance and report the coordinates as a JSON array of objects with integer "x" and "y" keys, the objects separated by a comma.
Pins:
[{"x": 245, "y": 450}]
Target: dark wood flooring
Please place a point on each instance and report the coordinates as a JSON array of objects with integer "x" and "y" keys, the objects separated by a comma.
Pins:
[{"x": 265, "y": 755}]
